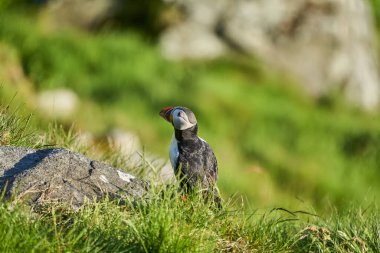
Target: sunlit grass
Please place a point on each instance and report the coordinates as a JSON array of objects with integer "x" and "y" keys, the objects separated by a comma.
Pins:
[
  {"x": 317, "y": 161},
  {"x": 167, "y": 223},
  {"x": 274, "y": 145},
  {"x": 14, "y": 129}
]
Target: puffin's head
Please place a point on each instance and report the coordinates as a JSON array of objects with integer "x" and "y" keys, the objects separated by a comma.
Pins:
[{"x": 181, "y": 117}]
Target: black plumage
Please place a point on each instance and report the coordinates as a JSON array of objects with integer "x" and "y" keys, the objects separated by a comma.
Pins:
[{"x": 192, "y": 158}]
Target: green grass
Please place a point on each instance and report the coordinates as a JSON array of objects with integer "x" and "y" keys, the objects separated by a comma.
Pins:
[
  {"x": 375, "y": 4},
  {"x": 14, "y": 129},
  {"x": 275, "y": 146},
  {"x": 165, "y": 223},
  {"x": 171, "y": 225}
]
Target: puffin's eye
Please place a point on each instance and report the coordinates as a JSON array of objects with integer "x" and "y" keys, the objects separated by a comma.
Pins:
[{"x": 178, "y": 114}]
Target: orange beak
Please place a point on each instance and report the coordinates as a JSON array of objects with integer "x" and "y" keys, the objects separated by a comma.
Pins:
[{"x": 166, "y": 113}]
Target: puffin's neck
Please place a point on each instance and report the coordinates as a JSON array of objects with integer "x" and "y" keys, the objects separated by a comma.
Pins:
[{"x": 189, "y": 134}]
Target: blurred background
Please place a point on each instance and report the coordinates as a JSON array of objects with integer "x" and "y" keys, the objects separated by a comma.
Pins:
[{"x": 287, "y": 92}]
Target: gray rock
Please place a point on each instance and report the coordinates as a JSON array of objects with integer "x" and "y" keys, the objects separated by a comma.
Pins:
[
  {"x": 81, "y": 13},
  {"x": 58, "y": 175},
  {"x": 329, "y": 45},
  {"x": 191, "y": 41}
]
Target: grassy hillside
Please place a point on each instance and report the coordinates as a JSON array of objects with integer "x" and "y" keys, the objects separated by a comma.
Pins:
[
  {"x": 168, "y": 224},
  {"x": 173, "y": 226},
  {"x": 296, "y": 174},
  {"x": 275, "y": 146}
]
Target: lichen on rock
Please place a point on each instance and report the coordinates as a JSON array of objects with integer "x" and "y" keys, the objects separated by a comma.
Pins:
[{"x": 53, "y": 175}]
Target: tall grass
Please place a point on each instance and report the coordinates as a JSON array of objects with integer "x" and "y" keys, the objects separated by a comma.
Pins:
[
  {"x": 14, "y": 129},
  {"x": 167, "y": 224},
  {"x": 273, "y": 144}
]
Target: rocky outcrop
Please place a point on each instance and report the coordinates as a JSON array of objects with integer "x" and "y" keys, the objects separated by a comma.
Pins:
[
  {"x": 58, "y": 175},
  {"x": 328, "y": 44},
  {"x": 191, "y": 41},
  {"x": 81, "y": 13}
]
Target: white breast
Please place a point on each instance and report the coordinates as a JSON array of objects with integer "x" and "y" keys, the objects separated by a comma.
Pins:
[{"x": 173, "y": 152}]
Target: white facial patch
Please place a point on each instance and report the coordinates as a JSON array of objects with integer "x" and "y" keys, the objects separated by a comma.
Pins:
[{"x": 180, "y": 120}]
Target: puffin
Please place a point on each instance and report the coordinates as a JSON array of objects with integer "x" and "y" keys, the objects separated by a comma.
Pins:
[{"x": 193, "y": 161}]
